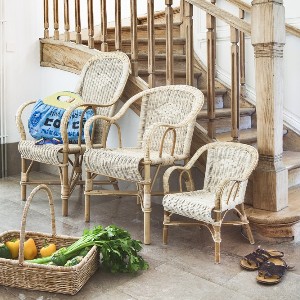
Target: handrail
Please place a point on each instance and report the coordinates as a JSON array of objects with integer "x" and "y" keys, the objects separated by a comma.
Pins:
[
  {"x": 223, "y": 15},
  {"x": 247, "y": 8}
]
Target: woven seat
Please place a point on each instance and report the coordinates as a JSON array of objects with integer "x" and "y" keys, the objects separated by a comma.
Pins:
[
  {"x": 102, "y": 82},
  {"x": 167, "y": 120},
  {"x": 228, "y": 168}
]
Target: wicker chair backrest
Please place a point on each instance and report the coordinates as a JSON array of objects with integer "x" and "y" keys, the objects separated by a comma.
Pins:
[
  {"x": 226, "y": 161},
  {"x": 103, "y": 79},
  {"x": 171, "y": 105}
]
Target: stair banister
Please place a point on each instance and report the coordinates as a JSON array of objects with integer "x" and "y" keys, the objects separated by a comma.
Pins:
[
  {"x": 169, "y": 46},
  {"x": 104, "y": 45},
  {"x": 211, "y": 72},
  {"x": 90, "y": 24},
  {"x": 78, "y": 22},
  {"x": 270, "y": 188},
  {"x": 55, "y": 19},
  {"x": 235, "y": 85},
  {"x": 133, "y": 37},
  {"x": 118, "y": 27},
  {"x": 242, "y": 57},
  {"x": 67, "y": 20},
  {"x": 46, "y": 19},
  {"x": 188, "y": 29},
  {"x": 151, "y": 43}
]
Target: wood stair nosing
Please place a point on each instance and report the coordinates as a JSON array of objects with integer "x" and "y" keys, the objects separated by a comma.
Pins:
[
  {"x": 159, "y": 57},
  {"x": 181, "y": 74},
  {"x": 226, "y": 112}
]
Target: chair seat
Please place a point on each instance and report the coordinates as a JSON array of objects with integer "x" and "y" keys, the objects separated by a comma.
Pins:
[
  {"x": 197, "y": 205},
  {"x": 49, "y": 153},
  {"x": 123, "y": 163}
]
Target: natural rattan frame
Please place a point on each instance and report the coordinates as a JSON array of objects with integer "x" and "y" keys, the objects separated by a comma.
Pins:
[
  {"x": 146, "y": 138},
  {"x": 72, "y": 154},
  {"x": 218, "y": 214}
]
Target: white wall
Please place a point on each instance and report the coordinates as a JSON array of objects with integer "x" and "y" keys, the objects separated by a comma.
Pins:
[{"x": 291, "y": 57}]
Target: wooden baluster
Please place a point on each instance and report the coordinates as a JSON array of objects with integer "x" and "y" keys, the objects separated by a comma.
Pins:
[
  {"x": 55, "y": 17},
  {"x": 235, "y": 86},
  {"x": 182, "y": 17},
  {"x": 90, "y": 24},
  {"x": 104, "y": 45},
  {"x": 169, "y": 46},
  {"x": 189, "y": 43},
  {"x": 133, "y": 37},
  {"x": 151, "y": 44},
  {"x": 46, "y": 19},
  {"x": 67, "y": 20},
  {"x": 211, "y": 71},
  {"x": 242, "y": 57},
  {"x": 118, "y": 27},
  {"x": 78, "y": 22}
]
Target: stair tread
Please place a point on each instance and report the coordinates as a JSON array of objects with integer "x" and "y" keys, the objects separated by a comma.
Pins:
[
  {"x": 176, "y": 41},
  {"x": 226, "y": 112},
  {"x": 111, "y": 26},
  {"x": 217, "y": 91},
  {"x": 163, "y": 72},
  {"x": 160, "y": 56},
  {"x": 291, "y": 159},
  {"x": 246, "y": 136}
]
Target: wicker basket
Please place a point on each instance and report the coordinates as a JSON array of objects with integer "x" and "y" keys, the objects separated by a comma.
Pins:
[{"x": 65, "y": 280}]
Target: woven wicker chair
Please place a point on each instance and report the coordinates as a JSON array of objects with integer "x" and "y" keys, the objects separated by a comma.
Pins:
[
  {"x": 228, "y": 168},
  {"x": 102, "y": 82},
  {"x": 167, "y": 121}
]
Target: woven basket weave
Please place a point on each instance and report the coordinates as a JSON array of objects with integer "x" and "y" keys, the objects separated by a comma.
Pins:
[{"x": 65, "y": 280}]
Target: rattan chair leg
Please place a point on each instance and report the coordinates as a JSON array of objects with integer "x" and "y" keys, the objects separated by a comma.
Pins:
[
  {"x": 147, "y": 205},
  {"x": 65, "y": 190},
  {"x": 247, "y": 226},
  {"x": 24, "y": 179},
  {"x": 88, "y": 188},
  {"x": 217, "y": 239},
  {"x": 166, "y": 227}
]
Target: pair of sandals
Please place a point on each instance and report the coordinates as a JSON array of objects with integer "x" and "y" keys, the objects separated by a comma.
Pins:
[{"x": 269, "y": 263}]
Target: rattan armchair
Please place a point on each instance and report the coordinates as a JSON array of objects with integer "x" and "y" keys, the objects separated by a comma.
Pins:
[
  {"x": 228, "y": 168},
  {"x": 167, "y": 120},
  {"x": 102, "y": 82}
]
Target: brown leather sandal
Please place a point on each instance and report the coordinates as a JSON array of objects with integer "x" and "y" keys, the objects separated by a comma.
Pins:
[
  {"x": 255, "y": 259},
  {"x": 272, "y": 271}
]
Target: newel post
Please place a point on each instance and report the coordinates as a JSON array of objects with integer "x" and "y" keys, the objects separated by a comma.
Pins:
[{"x": 270, "y": 188}]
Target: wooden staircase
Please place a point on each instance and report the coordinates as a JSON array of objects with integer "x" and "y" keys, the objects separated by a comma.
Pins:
[{"x": 267, "y": 222}]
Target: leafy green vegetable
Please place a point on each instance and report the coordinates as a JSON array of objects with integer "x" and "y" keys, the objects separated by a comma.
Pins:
[
  {"x": 74, "y": 261},
  {"x": 118, "y": 250}
]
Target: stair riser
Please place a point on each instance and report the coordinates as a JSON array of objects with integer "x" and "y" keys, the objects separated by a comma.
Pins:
[
  {"x": 293, "y": 177},
  {"x": 224, "y": 124},
  {"x": 142, "y": 33},
  {"x": 161, "y": 81},
  {"x": 161, "y": 65},
  {"x": 143, "y": 48},
  {"x": 219, "y": 103}
]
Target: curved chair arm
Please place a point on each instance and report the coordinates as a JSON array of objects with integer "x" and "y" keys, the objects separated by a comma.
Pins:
[
  {"x": 19, "y": 121},
  {"x": 66, "y": 116},
  {"x": 222, "y": 186},
  {"x": 110, "y": 121},
  {"x": 167, "y": 175}
]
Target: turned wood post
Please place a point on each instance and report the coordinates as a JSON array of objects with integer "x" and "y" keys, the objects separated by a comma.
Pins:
[
  {"x": 270, "y": 188},
  {"x": 55, "y": 19},
  {"x": 46, "y": 19},
  {"x": 67, "y": 20},
  {"x": 169, "y": 46},
  {"x": 118, "y": 29},
  {"x": 242, "y": 57},
  {"x": 151, "y": 43},
  {"x": 133, "y": 37},
  {"x": 188, "y": 23},
  {"x": 104, "y": 45},
  {"x": 235, "y": 85},
  {"x": 211, "y": 71},
  {"x": 78, "y": 22}
]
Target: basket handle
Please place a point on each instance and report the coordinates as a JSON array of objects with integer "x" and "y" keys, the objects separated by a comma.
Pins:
[{"x": 24, "y": 217}]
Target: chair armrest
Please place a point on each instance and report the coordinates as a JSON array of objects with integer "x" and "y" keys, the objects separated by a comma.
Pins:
[
  {"x": 110, "y": 121},
  {"x": 167, "y": 175},
  {"x": 19, "y": 121},
  {"x": 221, "y": 188}
]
